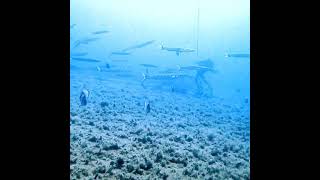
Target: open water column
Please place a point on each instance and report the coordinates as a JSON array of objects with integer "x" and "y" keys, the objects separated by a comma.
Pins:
[{"x": 160, "y": 89}]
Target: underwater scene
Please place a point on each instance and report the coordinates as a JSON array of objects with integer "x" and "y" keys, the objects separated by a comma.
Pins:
[{"x": 159, "y": 89}]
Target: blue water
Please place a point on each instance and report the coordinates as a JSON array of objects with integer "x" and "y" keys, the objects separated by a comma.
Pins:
[{"x": 198, "y": 124}]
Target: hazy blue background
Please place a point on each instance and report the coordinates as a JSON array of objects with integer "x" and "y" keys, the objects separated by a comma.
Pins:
[{"x": 224, "y": 26}]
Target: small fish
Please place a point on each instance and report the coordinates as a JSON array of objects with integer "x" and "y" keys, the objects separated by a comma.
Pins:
[
  {"x": 85, "y": 59},
  {"x": 163, "y": 77},
  {"x": 84, "y": 97},
  {"x": 139, "y": 45},
  {"x": 107, "y": 66},
  {"x": 101, "y": 32},
  {"x": 76, "y": 43},
  {"x": 246, "y": 100},
  {"x": 120, "y": 53},
  {"x": 147, "y": 106},
  {"x": 84, "y": 41},
  {"x": 196, "y": 68},
  {"x": 149, "y": 65},
  {"x": 172, "y": 88},
  {"x": 178, "y": 51},
  {"x": 98, "y": 69},
  {"x": 237, "y": 55},
  {"x": 87, "y": 40}
]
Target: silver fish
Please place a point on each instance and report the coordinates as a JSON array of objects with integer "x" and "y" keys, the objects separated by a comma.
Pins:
[
  {"x": 85, "y": 59},
  {"x": 147, "y": 106},
  {"x": 177, "y": 50},
  {"x": 196, "y": 68},
  {"x": 120, "y": 53},
  {"x": 149, "y": 65},
  {"x": 101, "y": 32},
  {"x": 84, "y": 41},
  {"x": 139, "y": 45},
  {"x": 237, "y": 55}
]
